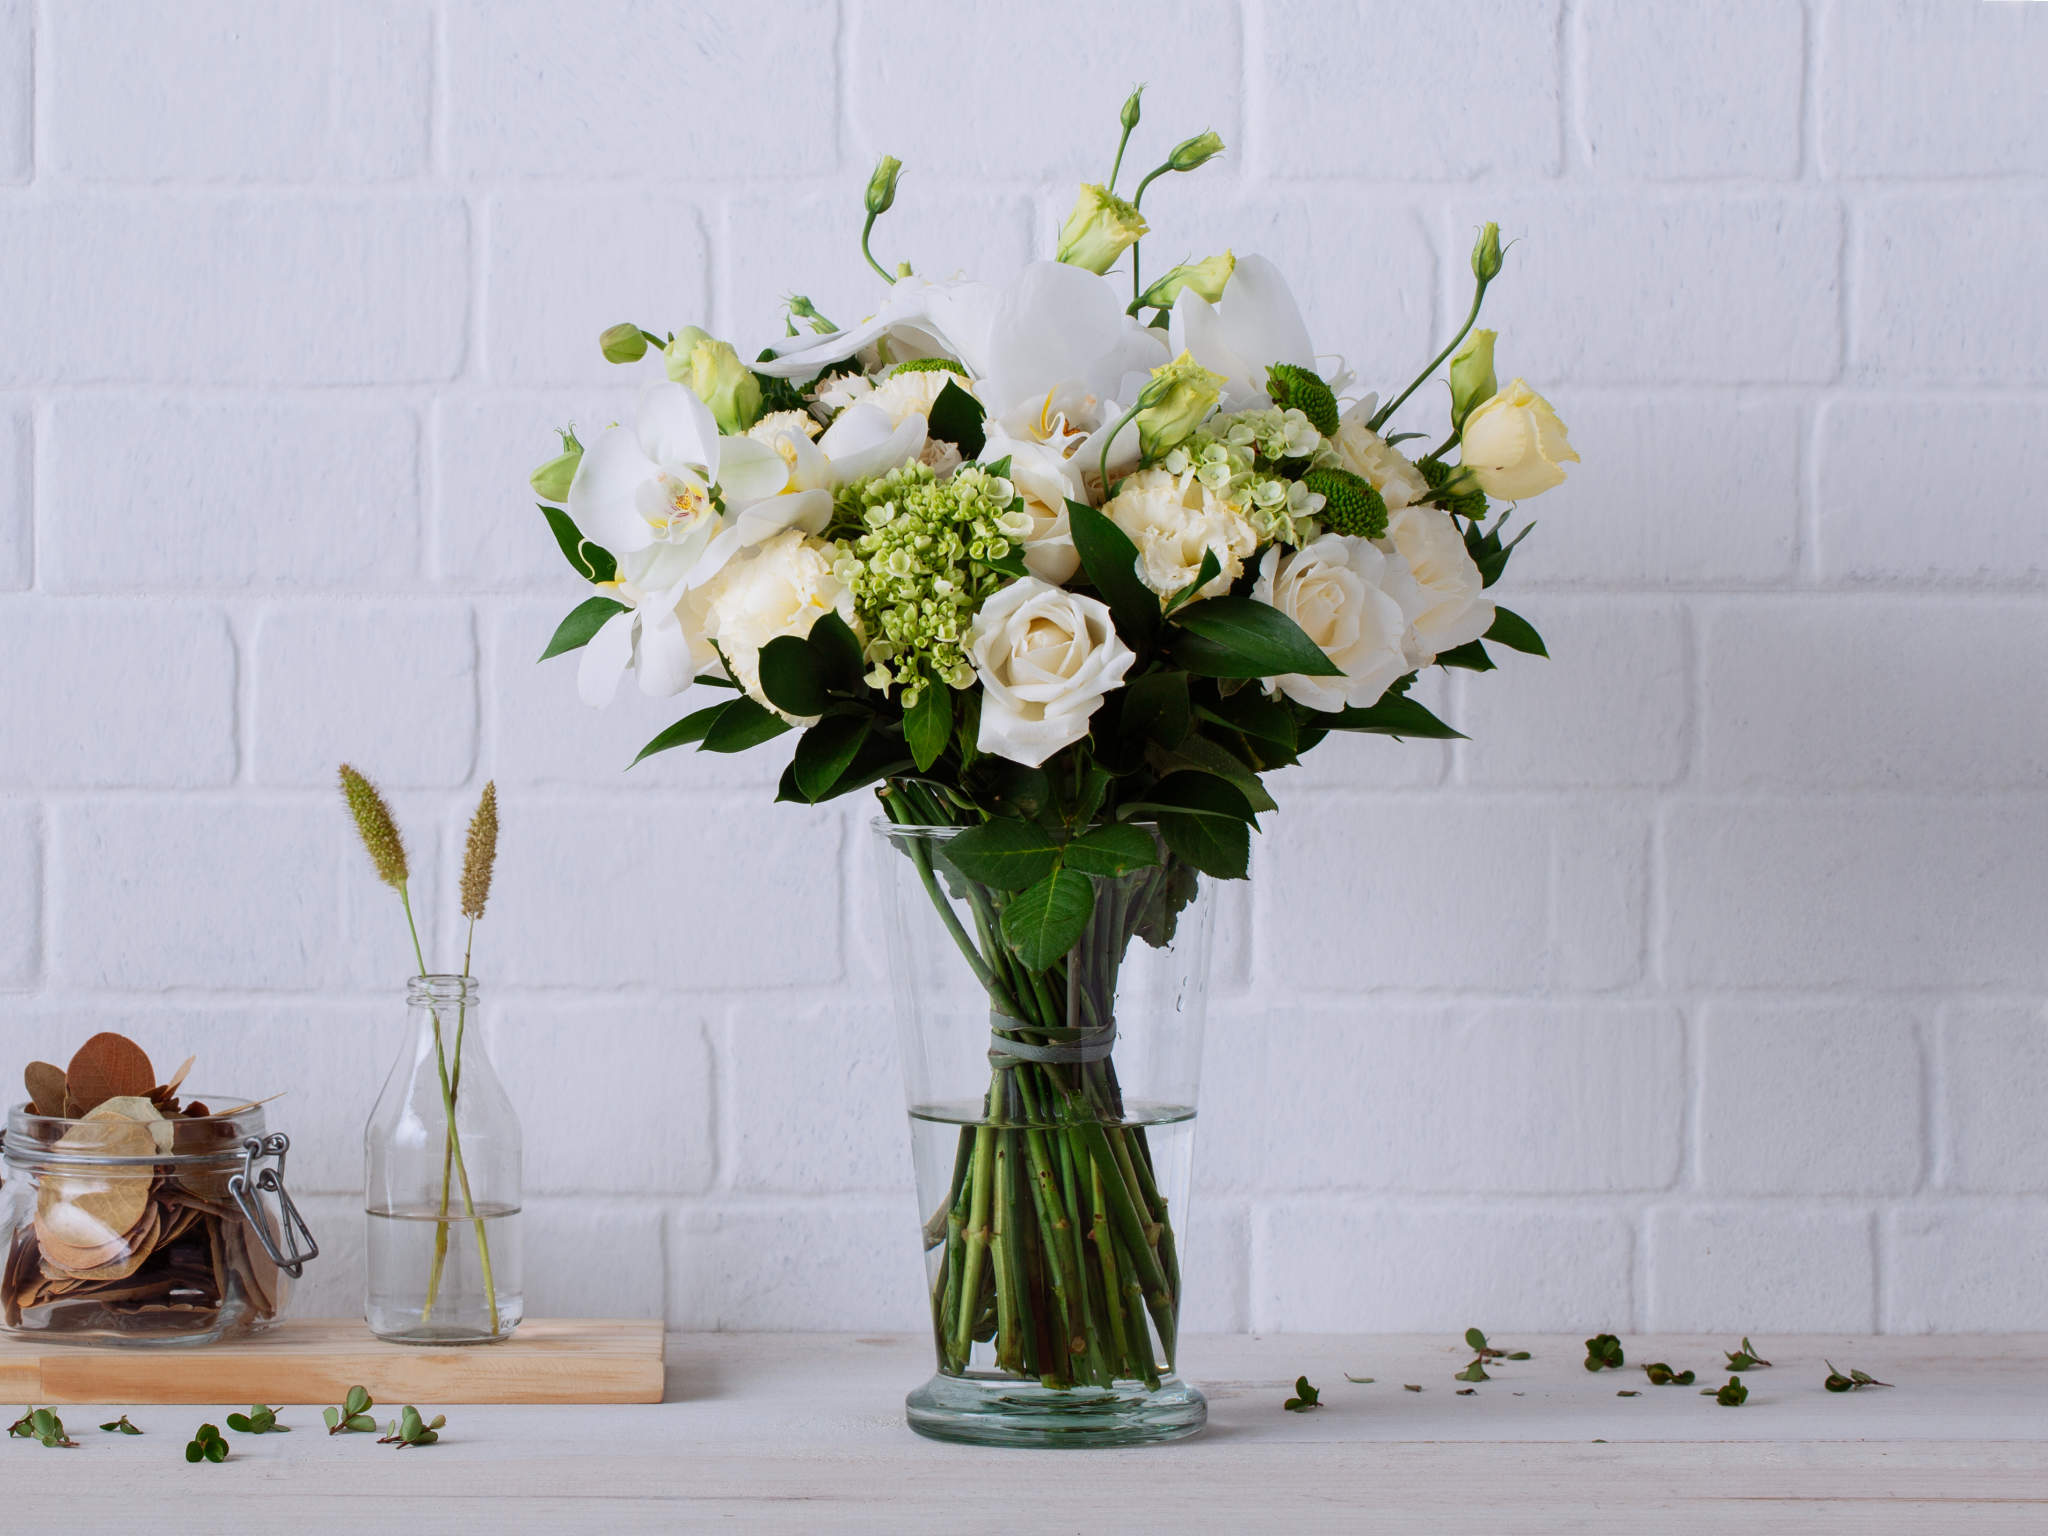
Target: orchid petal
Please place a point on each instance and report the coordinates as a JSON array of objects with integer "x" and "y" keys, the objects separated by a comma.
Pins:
[
  {"x": 605, "y": 659},
  {"x": 902, "y": 445},
  {"x": 668, "y": 661},
  {"x": 603, "y": 496},
  {"x": 749, "y": 471},
  {"x": 808, "y": 510},
  {"x": 1054, "y": 322},
  {"x": 675, "y": 428}
]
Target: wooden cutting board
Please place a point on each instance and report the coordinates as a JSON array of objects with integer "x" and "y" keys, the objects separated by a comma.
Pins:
[{"x": 316, "y": 1360}]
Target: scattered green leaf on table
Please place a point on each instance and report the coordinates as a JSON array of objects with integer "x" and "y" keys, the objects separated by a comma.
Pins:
[
  {"x": 121, "y": 1426},
  {"x": 1476, "y": 1371},
  {"x": 1745, "y": 1358},
  {"x": 353, "y": 1416},
  {"x": 1629, "y": 1392},
  {"x": 40, "y": 1424},
  {"x": 1468, "y": 1391},
  {"x": 411, "y": 1429},
  {"x": 1733, "y": 1395},
  {"x": 259, "y": 1420},
  {"x": 1855, "y": 1381},
  {"x": 1661, "y": 1375},
  {"x": 207, "y": 1444},
  {"x": 1603, "y": 1352}
]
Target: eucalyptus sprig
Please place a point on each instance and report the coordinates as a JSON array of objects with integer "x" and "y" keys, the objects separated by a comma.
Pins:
[
  {"x": 42, "y": 1425},
  {"x": 207, "y": 1444},
  {"x": 1745, "y": 1358},
  {"x": 410, "y": 1429},
  {"x": 259, "y": 1420},
  {"x": 1855, "y": 1381},
  {"x": 1603, "y": 1352},
  {"x": 353, "y": 1416},
  {"x": 121, "y": 1426}
]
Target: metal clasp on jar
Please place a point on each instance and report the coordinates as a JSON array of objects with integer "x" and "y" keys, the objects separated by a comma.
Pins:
[{"x": 298, "y": 1244}]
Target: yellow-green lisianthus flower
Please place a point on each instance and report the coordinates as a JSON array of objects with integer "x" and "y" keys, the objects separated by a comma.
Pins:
[{"x": 1101, "y": 228}]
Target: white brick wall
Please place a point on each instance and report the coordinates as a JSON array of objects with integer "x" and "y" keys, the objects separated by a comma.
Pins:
[{"x": 1705, "y": 987}]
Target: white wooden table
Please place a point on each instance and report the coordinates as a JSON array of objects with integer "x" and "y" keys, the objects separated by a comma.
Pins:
[{"x": 803, "y": 1433}]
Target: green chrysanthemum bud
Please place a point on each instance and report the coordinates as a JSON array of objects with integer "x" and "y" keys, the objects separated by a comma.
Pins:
[
  {"x": 1472, "y": 379},
  {"x": 1454, "y": 489},
  {"x": 1486, "y": 257},
  {"x": 1303, "y": 390},
  {"x": 623, "y": 343},
  {"x": 932, "y": 365},
  {"x": 714, "y": 373},
  {"x": 1350, "y": 504},
  {"x": 552, "y": 480},
  {"x": 1101, "y": 228},
  {"x": 1169, "y": 408},
  {"x": 1188, "y": 154},
  {"x": 882, "y": 185},
  {"x": 1205, "y": 279}
]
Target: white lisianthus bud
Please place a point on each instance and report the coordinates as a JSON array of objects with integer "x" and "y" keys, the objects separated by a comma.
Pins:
[
  {"x": 623, "y": 343},
  {"x": 1472, "y": 380},
  {"x": 1336, "y": 591},
  {"x": 1044, "y": 658},
  {"x": 1101, "y": 228},
  {"x": 552, "y": 480},
  {"x": 1190, "y": 154},
  {"x": 1486, "y": 253},
  {"x": 881, "y": 193},
  {"x": 1180, "y": 395},
  {"x": 716, "y": 375},
  {"x": 1205, "y": 279},
  {"x": 1514, "y": 445}
]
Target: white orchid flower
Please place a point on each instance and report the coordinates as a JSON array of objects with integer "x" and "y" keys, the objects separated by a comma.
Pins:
[
  {"x": 659, "y": 637},
  {"x": 1254, "y": 325},
  {"x": 918, "y": 319}
]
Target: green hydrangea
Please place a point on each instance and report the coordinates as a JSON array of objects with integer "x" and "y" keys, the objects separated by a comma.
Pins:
[
  {"x": 1277, "y": 508},
  {"x": 1350, "y": 504},
  {"x": 1304, "y": 390},
  {"x": 1462, "y": 503},
  {"x": 913, "y": 554},
  {"x": 1276, "y": 433}
]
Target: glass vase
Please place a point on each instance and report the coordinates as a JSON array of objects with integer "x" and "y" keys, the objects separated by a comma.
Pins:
[
  {"x": 1052, "y": 1121},
  {"x": 441, "y": 1181}
]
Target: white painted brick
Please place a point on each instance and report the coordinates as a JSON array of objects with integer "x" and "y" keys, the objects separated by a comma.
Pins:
[
  {"x": 1470, "y": 1097},
  {"x": 488, "y": 533},
  {"x": 17, "y": 506},
  {"x": 1692, "y": 489},
  {"x": 1810, "y": 1100},
  {"x": 1760, "y": 1269},
  {"x": 1965, "y": 1268},
  {"x": 941, "y": 232},
  {"x": 1354, "y": 1266},
  {"x": 1657, "y": 288},
  {"x": 1944, "y": 290},
  {"x": 191, "y": 495},
  {"x": 393, "y": 683},
  {"x": 542, "y": 733},
  {"x": 813, "y": 1099},
  {"x": 1878, "y": 893},
  {"x": 797, "y": 1266},
  {"x": 236, "y": 290},
  {"x": 1360, "y": 264},
  {"x": 1922, "y": 487},
  {"x": 1675, "y": 90},
  {"x": 697, "y": 891},
  {"x": 1535, "y": 721},
  {"x": 1884, "y": 692},
  {"x": 1599, "y": 895},
  {"x": 1911, "y": 89},
  {"x": 550, "y": 289},
  {"x": 1328, "y": 111},
  {"x": 240, "y": 90},
  {"x": 21, "y": 895},
  {"x": 332, "y": 1285},
  {"x": 663, "y": 92},
  {"x": 115, "y": 694},
  {"x": 645, "y": 1062},
  {"x": 134, "y": 907},
  {"x": 17, "y": 90},
  {"x": 1994, "y": 1073},
  {"x": 594, "y": 1258},
  {"x": 1045, "y": 95},
  {"x": 1354, "y": 760}
]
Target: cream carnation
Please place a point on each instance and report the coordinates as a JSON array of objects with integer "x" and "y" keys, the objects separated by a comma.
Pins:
[
  {"x": 1366, "y": 454},
  {"x": 778, "y": 587},
  {"x": 1173, "y": 520},
  {"x": 904, "y": 395}
]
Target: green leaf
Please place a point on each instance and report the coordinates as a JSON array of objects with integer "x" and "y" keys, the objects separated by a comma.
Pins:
[
  {"x": 1474, "y": 1339},
  {"x": 1243, "y": 637},
  {"x": 357, "y": 1401},
  {"x": 1393, "y": 715},
  {"x": 838, "y": 653},
  {"x": 583, "y": 622},
  {"x": 827, "y": 750},
  {"x": 216, "y": 1450},
  {"x": 1265, "y": 720},
  {"x": 1007, "y": 788},
  {"x": 1004, "y": 852},
  {"x": 195, "y": 1452},
  {"x": 1471, "y": 656},
  {"x": 1516, "y": 633},
  {"x": 792, "y": 677},
  {"x": 880, "y": 756},
  {"x": 692, "y": 727},
  {"x": 240, "y": 1422},
  {"x": 591, "y": 561},
  {"x": 1192, "y": 793},
  {"x": 1156, "y": 708},
  {"x": 1111, "y": 851},
  {"x": 363, "y": 1423},
  {"x": 1476, "y": 1371},
  {"x": 1210, "y": 569},
  {"x": 956, "y": 417},
  {"x": 1048, "y": 919},
  {"x": 1214, "y": 845},
  {"x": 742, "y": 724},
  {"x": 1111, "y": 560},
  {"x": 332, "y": 1416},
  {"x": 1198, "y": 754},
  {"x": 928, "y": 725}
]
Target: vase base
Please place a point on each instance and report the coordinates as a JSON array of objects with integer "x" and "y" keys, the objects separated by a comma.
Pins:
[{"x": 993, "y": 1410}]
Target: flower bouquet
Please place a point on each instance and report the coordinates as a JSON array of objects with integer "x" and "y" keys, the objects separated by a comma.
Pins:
[{"x": 1061, "y": 565}]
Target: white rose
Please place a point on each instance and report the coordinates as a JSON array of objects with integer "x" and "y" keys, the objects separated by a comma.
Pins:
[
  {"x": 1335, "y": 590},
  {"x": 777, "y": 587},
  {"x": 1045, "y": 478},
  {"x": 1173, "y": 520},
  {"x": 1514, "y": 445},
  {"x": 1044, "y": 658},
  {"x": 1366, "y": 454},
  {"x": 1452, "y": 611}
]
